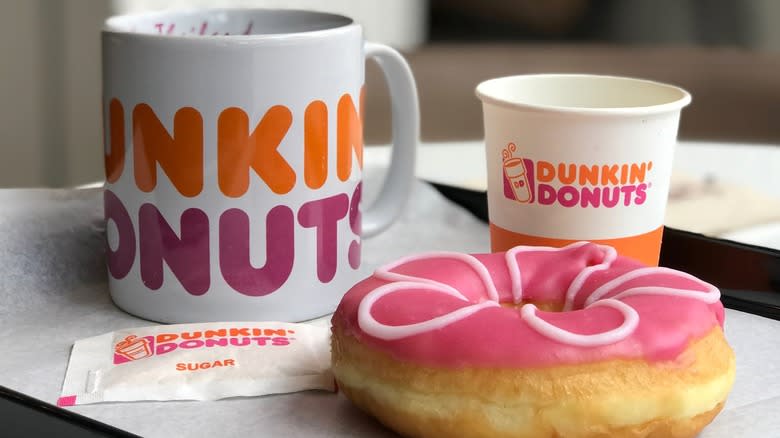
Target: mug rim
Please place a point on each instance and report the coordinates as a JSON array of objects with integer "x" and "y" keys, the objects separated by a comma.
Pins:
[
  {"x": 486, "y": 95},
  {"x": 114, "y": 25}
]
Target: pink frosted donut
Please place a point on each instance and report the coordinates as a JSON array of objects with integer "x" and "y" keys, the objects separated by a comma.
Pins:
[{"x": 451, "y": 344}]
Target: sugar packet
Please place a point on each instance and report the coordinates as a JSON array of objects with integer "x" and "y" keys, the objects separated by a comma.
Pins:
[{"x": 198, "y": 362}]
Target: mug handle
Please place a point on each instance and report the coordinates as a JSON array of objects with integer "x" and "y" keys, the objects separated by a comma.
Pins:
[{"x": 406, "y": 133}]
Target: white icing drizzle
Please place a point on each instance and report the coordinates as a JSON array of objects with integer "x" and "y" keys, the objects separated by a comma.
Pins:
[
  {"x": 399, "y": 282},
  {"x": 389, "y": 332},
  {"x": 709, "y": 296},
  {"x": 630, "y": 321},
  {"x": 515, "y": 276},
  {"x": 385, "y": 272},
  {"x": 571, "y": 293}
]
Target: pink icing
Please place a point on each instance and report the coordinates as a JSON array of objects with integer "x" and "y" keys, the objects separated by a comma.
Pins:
[{"x": 444, "y": 309}]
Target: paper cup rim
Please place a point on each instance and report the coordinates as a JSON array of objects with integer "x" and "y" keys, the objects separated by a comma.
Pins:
[{"x": 486, "y": 95}]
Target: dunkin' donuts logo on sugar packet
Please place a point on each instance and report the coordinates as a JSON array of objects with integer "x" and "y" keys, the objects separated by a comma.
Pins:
[
  {"x": 132, "y": 347},
  {"x": 603, "y": 185}
]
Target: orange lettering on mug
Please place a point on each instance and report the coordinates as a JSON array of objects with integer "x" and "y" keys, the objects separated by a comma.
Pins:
[
  {"x": 315, "y": 144},
  {"x": 589, "y": 175},
  {"x": 180, "y": 156},
  {"x": 238, "y": 150},
  {"x": 115, "y": 160},
  {"x": 349, "y": 135}
]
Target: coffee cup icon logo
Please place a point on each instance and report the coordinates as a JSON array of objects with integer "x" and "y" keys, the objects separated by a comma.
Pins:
[
  {"x": 517, "y": 183},
  {"x": 133, "y": 348}
]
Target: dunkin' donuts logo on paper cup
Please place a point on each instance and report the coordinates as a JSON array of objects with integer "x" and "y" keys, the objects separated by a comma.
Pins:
[
  {"x": 562, "y": 197},
  {"x": 574, "y": 185}
]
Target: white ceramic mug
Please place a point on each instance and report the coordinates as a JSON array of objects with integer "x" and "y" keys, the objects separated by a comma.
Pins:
[{"x": 233, "y": 142}]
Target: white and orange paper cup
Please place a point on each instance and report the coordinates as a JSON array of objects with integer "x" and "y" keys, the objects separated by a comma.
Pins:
[{"x": 579, "y": 157}]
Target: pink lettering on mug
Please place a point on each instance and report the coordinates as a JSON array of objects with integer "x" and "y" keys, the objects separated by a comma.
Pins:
[
  {"x": 355, "y": 226},
  {"x": 187, "y": 256},
  {"x": 324, "y": 214},
  {"x": 119, "y": 261},
  {"x": 234, "y": 244}
]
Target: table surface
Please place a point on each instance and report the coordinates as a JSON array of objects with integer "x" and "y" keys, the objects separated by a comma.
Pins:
[{"x": 53, "y": 291}]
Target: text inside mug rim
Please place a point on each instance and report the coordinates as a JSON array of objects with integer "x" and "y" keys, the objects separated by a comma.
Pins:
[{"x": 204, "y": 23}]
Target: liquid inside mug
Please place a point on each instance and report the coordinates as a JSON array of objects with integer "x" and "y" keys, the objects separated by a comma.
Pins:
[{"x": 233, "y": 155}]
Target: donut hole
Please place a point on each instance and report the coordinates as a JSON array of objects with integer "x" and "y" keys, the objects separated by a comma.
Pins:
[{"x": 545, "y": 306}]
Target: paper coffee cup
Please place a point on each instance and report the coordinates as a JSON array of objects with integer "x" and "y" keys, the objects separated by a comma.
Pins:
[{"x": 579, "y": 157}]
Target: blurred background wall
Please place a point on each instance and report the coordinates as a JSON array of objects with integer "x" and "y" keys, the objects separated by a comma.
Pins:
[{"x": 726, "y": 52}]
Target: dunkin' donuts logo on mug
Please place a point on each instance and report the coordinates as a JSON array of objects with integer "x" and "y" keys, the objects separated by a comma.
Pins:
[
  {"x": 573, "y": 184},
  {"x": 242, "y": 153}
]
